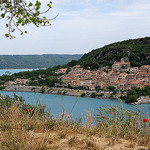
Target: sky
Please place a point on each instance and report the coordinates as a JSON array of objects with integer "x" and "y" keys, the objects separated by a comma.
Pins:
[{"x": 81, "y": 26}]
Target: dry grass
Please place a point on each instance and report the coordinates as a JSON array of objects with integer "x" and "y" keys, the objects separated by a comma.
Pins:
[{"x": 20, "y": 130}]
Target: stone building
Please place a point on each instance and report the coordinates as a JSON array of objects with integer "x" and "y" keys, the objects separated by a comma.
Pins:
[{"x": 121, "y": 65}]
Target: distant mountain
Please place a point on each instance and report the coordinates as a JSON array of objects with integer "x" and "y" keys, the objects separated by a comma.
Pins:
[
  {"x": 137, "y": 50},
  {"x": 35, "y": 61}
]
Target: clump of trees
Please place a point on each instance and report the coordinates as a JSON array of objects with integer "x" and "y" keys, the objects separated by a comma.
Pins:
[
  {"x": 135, "y": 93},
  {"x": 36, "y": 77},
  {"x": 137, "y": 50}
]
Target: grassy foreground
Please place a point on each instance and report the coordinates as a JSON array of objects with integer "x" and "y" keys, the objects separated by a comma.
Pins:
[{"x": 27, "y": 127}]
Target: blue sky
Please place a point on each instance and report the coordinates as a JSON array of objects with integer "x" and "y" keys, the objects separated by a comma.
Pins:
[{"x": 82, "y": 25}]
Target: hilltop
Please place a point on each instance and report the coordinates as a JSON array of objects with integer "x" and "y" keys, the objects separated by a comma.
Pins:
[
  {"x": 131, "y": 71},
  {"x": 137, "y": 50},
  {"x": 35, "y": 61}
]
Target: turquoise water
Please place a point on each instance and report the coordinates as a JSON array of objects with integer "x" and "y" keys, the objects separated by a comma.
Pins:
[
  {"x": 11, "y": 71},
  {"x": 75, "y": 106}
]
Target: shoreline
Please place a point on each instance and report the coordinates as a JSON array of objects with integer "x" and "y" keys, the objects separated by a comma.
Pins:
[
  {"x": 69, "y": 92},
  {"x": 55, "y": 90},
  {"x": 22, "y": 68}
]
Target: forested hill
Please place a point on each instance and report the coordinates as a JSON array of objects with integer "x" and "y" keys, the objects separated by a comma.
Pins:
[
  {"x": 35, "y": 61},
  {"x": 137, "y": 50}
]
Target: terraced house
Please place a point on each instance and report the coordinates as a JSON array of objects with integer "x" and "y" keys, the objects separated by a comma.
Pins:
[{"x": 122, "y": 76}]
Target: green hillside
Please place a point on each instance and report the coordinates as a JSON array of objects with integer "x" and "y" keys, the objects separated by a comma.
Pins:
[
  {"x": 137, "y": 50},
  {"x": 35, "y": 61}
]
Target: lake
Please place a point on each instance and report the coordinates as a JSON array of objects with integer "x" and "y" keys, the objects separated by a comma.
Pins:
[
  {"x": 11, "y": 71},
  {"x": 74, "y": 106}
]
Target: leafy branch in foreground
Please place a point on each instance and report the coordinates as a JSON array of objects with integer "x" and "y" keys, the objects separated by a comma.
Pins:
[{"x": 19, "y": 13}]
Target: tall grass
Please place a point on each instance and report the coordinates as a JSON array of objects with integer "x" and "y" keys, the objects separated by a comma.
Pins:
[
  {"x": 36, "y": 129},
  {"x": 118, "y": 122}
]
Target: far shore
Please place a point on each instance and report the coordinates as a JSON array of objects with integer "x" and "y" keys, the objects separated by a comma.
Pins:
[
  {"x": 21, "y": 68},
  {"x": 69, "y": 92},
  {"x": 55, "y": 90}
]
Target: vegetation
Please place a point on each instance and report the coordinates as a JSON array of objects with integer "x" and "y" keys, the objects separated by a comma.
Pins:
[
  {"x": 135, "y": 93},
  {"x": 19, "y": 13},
  {"x": 36, "y": 77},
  {"x": 35, "y": 61},
  {"x": 111, "y": 88},
  {"x": 83, "y": 94},
  {"x": 93, "y": 95},
  {"x": 98, "y": 88},
  {"x": 23, "y": 126},
  {"x": 42, "y": 89},
  {"x": 137, "y": 50}
]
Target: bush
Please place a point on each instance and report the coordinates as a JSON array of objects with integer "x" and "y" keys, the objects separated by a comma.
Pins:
[
  {"x": 131, "y": 99},
  {"x": 64, "y": 92},
  {"x": 83, "y": 94},
  {"x": 42, "y": 89},
  {"x": 2, "y": 87},
  {"x": 134, "y": 93},
  {"x": 93, "y": 95}
]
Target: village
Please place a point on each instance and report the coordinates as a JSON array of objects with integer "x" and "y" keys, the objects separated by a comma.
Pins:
[
  {"x": 106, "y": 82},
  {"x": 122, "y": 76}
]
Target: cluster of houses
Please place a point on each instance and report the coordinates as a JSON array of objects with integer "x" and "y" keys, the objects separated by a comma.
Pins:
[
  {"x": 122, "y": 76},
  {"x": 17, "y": 82}
]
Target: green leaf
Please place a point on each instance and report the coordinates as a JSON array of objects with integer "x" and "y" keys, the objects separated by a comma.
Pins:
[
  {"x": 7, "y": 35},
  {"x": 3, "y": 15},
  {"x": 30, "y": 4}
]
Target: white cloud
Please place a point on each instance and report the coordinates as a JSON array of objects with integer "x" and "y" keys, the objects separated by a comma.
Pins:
[{"x": 82, "y": 26}]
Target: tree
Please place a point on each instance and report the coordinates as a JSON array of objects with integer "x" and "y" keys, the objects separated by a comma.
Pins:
[
  {"x": 97, "y": 88},
  {"x": 111, "y": 88},
  {"x": 19, "y": 13},
  {"x": 43, "y": 89}
]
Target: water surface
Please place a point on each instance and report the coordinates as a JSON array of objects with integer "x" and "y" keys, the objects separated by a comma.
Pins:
[
  {"x": 74, "y": 106},
  {"x": 11, "y": 71}
]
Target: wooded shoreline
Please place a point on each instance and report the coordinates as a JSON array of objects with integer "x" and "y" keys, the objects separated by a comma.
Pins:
[{"x": 68, "y": 92}]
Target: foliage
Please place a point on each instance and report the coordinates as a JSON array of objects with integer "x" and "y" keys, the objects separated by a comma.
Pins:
[
  {"x": 135, "y": 92},
  {"x": 19, "y": 13},
  {"x": 2, "y": 87},
  {"x": 137, "y": 50},
  {"x": 28, "y": 127},
  {"x": 83, "y": 94},
  {"x": 64, "y": 92},
  {"x": 111, "y": 88},
  {"x": 35, "y": 61},
  {"x": 42, "y": 89},
  {"x": 6, "y": 102},
  {"x": 117, "y": 121},
  {"x": 98, "y": 88},
  {"x": 93, "y": 95},
  {"x": 42, "y": 77}
]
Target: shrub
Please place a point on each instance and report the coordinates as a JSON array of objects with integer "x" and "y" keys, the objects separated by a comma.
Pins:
[
  {"x": 83, "y": 94},
  {"x": 42, "y": 89},
  {"x": 64, "y": 92},
  {"x": 93, "y": 95}
]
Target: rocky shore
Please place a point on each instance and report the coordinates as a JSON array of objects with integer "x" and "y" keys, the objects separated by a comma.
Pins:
[
  {"x": 54, "y": 90},
  {"x": 143, "y": 100},
  {"x": 69, "y": 92}
]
